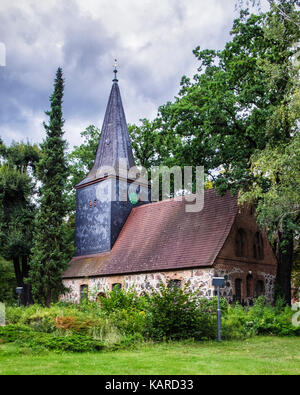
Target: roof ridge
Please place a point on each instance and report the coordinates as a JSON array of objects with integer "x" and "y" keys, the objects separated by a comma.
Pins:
[
  {"x": 157, "y": 203},
  {"x": 173, "y": 199}
]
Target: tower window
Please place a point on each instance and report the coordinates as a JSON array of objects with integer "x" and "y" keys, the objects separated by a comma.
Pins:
[
  {"x": 90, "y": 204},
  {"x": 240, "y": 243}
]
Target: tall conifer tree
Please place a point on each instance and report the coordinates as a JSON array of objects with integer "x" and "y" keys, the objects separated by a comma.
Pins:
[{"x": 49, "y": 253}]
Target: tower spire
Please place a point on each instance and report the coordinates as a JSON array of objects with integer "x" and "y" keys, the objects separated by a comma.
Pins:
[
  {"x": 115, "y": 71},
  {"x": 114, "y": 149}
]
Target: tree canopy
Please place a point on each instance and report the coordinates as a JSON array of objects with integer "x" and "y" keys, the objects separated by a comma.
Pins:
[
  {"x": 17, "y": 190},
  {"x": 241, "y": 105}
]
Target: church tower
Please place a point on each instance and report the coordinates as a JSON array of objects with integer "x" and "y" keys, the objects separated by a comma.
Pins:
[{"x": 105, "y": 197}]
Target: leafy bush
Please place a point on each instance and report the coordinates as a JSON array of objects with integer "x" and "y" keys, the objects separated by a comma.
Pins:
[
  {"x": 129, "y": 322},
  {"x": 119, "y": 299},
  {"x": 123, "y": 319},
  {"x": 236, "y": 324},
  {"x": 70, "y": 342},
  {"x": 127, "y": 342},
  {"x": 26, "y": 337},
  {"x": 71, "y": 323},
  {"x": 11, "y": 333},
  {"x": 175, "y": 314},
  {"x": 261, "y": 319}
]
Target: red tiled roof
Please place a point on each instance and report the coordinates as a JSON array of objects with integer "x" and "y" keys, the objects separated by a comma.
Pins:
[{"x": 162, "y": 236}]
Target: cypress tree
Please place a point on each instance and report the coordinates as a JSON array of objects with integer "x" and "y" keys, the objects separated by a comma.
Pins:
[{"x": 50, "y": 250}]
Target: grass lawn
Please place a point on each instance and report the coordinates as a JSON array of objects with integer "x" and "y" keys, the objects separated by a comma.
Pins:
[{"x": 260, "y": 355}]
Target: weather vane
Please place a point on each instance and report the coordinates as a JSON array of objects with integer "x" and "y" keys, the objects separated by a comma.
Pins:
[{"x": 115, "y": 71}]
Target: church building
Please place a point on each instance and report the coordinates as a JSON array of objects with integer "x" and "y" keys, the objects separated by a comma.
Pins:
[{"x": 121, "y": 241}]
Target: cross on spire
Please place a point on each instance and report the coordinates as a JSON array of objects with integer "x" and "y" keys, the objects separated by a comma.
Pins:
[{"x": 115, "y": 71}]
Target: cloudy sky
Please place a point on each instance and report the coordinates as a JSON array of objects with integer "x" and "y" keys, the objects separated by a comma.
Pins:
[{"x": 152, "y": 40}]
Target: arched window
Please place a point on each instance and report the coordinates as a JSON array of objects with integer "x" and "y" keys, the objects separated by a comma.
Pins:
[
  {"x": 240, "y": 243},
  {"x": 258, "y": 246},
  {"x": 260, "y": 286},
  {"x": 84, "y": 290},
  {"x": 238, "y": 289},
  {"x": 174, "y": 284},
  {"x": 116, "y": 287},
  {"x": 101, "y": 295},
  {"x": 249, "y": 286}
]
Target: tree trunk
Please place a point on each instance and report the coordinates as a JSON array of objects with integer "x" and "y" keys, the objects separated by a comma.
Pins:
[
  {"x": 284, "y": 253},
  {"x": 48, "y": 299},
  {"x": 18, "y": 272},
  {"x": 26, "y": 296},
  {"x": 21, "y": 274}
]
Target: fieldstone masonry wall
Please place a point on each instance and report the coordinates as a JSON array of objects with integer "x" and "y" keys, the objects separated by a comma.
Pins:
[
  {"x": 199, "y": 280},
  {"x": 232, "y": 271},
  {"x": 195, "y": 280}
]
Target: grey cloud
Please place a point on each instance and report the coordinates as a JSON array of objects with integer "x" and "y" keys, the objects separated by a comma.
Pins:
[{"x": 39, "y": 39}]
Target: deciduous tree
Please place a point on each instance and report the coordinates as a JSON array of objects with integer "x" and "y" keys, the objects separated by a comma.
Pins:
[
  {"x": 241, "y": 102},
  {"x": 17, "y": 182}
]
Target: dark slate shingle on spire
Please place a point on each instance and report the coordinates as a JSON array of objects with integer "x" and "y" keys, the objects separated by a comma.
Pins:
[{"x": 114, "y": 142}]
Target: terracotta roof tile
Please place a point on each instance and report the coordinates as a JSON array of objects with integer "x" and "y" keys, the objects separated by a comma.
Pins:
[{"x": 162, "y": 236}]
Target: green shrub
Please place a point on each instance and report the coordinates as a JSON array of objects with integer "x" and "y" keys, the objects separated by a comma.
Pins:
[
  {"x": 26, "y": 337},
  {"x": 27, "y": 315},
  {"x": 70, "y": 342},
  {"x": 128, "y": 341},
  {"x": 261, "y": 319},
  {"x": 11, "y": 333},
  {"x": 74, "y": 324},
  {"x": 176, "y": 314},
  {"x": 236, "y": 324},
  {"x": 211, "y": 305},
  {"x": 123, "y": 318},
  {"x": 37, "y": 314},
  {"x": 119, "y": 299},
  {"x": 129, "y": 322}
]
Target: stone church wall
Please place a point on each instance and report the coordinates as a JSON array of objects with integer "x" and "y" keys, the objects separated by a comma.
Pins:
[
  {"x": 199, "y": 280},
  {"x": 194, "y": 279},
  {"x": 233, "y": 271}
]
